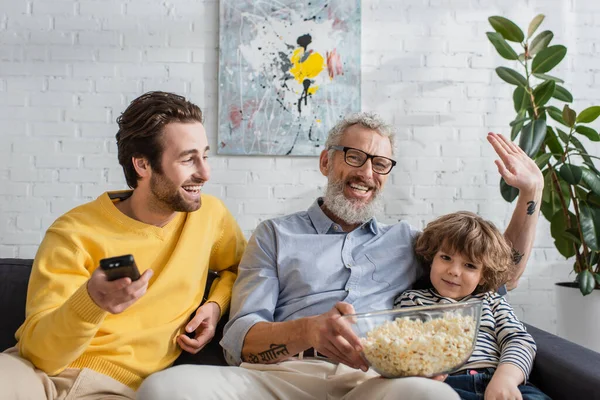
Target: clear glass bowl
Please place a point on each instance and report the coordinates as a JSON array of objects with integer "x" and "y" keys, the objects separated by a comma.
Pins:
[{"x": 420, "y": 341}]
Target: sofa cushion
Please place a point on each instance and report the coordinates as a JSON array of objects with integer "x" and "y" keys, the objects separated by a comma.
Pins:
[{"x": 14, "y": 276}]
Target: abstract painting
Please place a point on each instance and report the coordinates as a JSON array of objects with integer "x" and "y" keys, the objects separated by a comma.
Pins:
[{"x": 288, "y": 71}]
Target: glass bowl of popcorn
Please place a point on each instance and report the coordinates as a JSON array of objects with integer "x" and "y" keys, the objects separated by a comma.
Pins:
[{"x": 418, "y": 341}]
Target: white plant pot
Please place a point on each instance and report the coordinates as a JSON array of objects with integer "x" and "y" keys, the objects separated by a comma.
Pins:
[{"x": 577, "y": 316}]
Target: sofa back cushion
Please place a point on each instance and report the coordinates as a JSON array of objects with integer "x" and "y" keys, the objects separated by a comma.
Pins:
[{"x": 14, "y": 277}]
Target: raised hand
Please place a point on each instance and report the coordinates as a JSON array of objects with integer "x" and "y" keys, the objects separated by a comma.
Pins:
[{"x": 516, "y": 167}]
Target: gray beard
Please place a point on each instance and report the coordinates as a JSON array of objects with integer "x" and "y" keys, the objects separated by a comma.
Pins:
[{"x": 350, "y": 212}]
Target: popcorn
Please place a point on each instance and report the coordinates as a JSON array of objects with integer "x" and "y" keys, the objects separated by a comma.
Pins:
[{"x": 406, "y": 347}]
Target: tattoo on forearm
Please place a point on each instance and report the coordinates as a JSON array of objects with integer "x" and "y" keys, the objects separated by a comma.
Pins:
[
  {"x": 274, "y": 352},
  {"x": 531, "y": 207},
  {"x": 517, "y": 256},
  {"x": 252, "y": 358}
]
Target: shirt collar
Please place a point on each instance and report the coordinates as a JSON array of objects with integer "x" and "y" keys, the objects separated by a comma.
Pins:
[
  {"x": 323, "y": 223},
  {"x": 450, "y": 300}
]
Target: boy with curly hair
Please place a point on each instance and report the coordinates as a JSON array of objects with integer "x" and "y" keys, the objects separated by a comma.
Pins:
[{"x": 467, "y": 258}]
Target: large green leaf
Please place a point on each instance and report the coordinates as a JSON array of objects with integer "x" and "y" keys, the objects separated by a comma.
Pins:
[
  {"x": 564, "y": 136},
  {"x": 558, "y": 224},
  {"x": 588, "y": 132},
  {"x": 516, "y": 129},
  {"x": 593, "y": 200},
  {"x": 553, "y": 143},
  {"x": 543, "y": 92},
  {"x": 570, "y": 173},
  {"x": 508, "y": 192},
  {"x": 593, "y": 258},
  {"x": 562, "y": 94},
  {"x": 548, "y": 58},
  {"x": 590, "y": 225},
  {"x": 534, "y": 24},
  {"x": 540, "y": 42},
  {"x": 556, "y": 114},
  {"x": 532, "y": 136},
  {"x": 547, "y": 191},
  {"x": 586, "y": 282},
  {"x": 591, "y": 179},
  {"x": 519, "y": 120},
  {"x": 572, "y": 234},
  {"x": 511, "y": 76},
  {"x": 508, "y": 29},
  {"x": 542, "y": 160},
  {"x": 584, "y": 154},
  {"x": 551, "y": 202},
  {"x": 569, "y": 115},
  {"x": 502, "y": 47},
  {"x": 589, "y": 114},
  {"x": 580, "y": 190},
  {"x": 546, "y": 77},
  {"x": 519, "y": 98}
]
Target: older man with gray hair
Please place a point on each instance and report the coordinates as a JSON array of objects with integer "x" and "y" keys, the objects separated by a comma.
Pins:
[{"x": 302, "y": 272}]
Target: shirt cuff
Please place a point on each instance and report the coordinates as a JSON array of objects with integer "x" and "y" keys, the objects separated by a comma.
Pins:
[
  {"x": 83, "y": 305},
  {"x": 234, "y": 334}
]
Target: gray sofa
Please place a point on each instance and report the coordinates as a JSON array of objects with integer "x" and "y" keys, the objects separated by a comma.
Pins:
[{"x": 563, "y": 370}]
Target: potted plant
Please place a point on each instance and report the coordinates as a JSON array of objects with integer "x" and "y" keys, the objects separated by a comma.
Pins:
[{"x": 552, "y": 137}]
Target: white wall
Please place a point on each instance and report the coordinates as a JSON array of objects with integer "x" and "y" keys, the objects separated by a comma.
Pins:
[{"x": 69, "y": 67}]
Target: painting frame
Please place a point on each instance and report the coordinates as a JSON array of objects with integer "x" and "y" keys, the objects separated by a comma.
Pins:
[{"x": 288, "y": 71}]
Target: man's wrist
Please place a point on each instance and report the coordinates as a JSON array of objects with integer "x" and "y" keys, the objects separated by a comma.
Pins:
[
  {"x": 218, "y": 309},
  {"x": 533, "y": 193},
  {"x": 306, "y": 328}
]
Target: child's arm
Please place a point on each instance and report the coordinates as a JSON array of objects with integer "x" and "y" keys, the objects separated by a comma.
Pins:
[{"x": 517, "y": 347}]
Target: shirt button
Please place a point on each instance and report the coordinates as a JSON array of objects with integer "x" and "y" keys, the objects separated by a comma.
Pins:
[{"x": 336, "y": 228}]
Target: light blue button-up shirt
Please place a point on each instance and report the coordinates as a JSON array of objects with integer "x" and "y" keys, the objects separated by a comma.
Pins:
[{"x": 302, "y": 264}]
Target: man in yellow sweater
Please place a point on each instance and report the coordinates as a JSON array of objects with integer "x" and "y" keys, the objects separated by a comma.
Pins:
[{"x": 87, "y": 337}]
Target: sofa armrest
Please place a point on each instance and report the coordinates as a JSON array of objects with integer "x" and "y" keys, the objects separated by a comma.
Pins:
[{"x": 564, "y": 370}]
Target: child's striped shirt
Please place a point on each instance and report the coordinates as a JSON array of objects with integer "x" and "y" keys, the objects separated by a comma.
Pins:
[{"x": 502, "y": 337}]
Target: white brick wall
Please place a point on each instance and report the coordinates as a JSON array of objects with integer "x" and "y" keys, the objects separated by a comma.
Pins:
[{"x": 69, "y": 67}]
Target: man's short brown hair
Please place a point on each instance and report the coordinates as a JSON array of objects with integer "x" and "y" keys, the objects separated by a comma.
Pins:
[
  {"x": 473, "y": 237},
  {"x": 141, "y": 126}
]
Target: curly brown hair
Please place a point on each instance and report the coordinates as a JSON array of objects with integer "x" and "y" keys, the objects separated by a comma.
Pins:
[
  {"x": 141, "y": 126},
  {"x": 473, "y": 237}
]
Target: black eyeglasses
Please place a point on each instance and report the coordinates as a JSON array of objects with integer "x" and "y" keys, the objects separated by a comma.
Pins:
[{"x": 358, "y": 158}]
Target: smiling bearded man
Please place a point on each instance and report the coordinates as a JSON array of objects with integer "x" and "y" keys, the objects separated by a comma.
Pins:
[{"x": 353, "y": 194}]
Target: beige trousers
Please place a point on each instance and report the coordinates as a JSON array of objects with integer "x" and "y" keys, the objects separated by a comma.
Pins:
[
  {"x": 289, "y": 380},
  {"x": 20, "y": 380}
]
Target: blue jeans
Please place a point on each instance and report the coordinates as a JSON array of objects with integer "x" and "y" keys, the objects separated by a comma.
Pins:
[{"x": 472, "y": 387}]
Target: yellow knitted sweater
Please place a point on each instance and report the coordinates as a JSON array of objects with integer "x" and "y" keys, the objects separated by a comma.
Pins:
[{"x": 64, "y": 328}]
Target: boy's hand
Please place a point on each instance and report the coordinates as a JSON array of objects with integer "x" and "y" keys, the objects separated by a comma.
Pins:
[
  {"x": 502, "y": 389},
  {"x": 115, "y": 296},
  {"x": 504, "y": 383}
]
